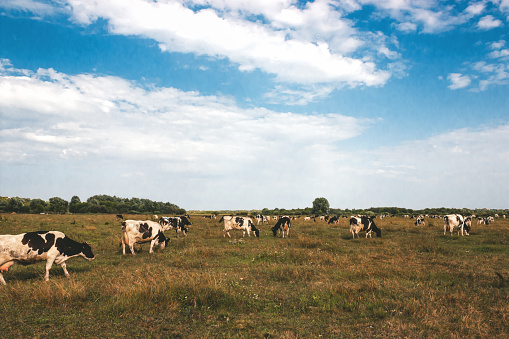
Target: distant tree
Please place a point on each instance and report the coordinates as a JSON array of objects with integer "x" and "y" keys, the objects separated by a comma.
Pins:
[
  {"x": 38, "y": 206},
  {"x": 265, "y": 211},
  {"x": 15, "y": 205},
  {"x": 58, "y": 205},
  {"x": 74, "y": 204},
  {"x": 320, "y": 206}
]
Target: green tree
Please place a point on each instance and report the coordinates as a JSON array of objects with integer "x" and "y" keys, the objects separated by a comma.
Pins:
[
  {"x": 320, "y": 206},
  {"x": 75, "y": 204},
  {"x": 58, "y": 205},
  {"x": 15, "y": 205},
  {"x": 38, "y": 206}
]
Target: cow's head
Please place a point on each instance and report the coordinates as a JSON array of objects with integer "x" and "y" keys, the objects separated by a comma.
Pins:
[
  {"x": 162, "y": 240},
  {"x": 185, "y": 221},
  {"x": 87, "y": 251},
  {"x": 376, "y": 230},
  {"x": 275, "y": 229},
  {"x": 255, "y": 231}
]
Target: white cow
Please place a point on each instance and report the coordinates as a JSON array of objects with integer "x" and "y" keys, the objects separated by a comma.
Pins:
[
  {"x": 239, "y": 223},
  {"x": 28, "y": 248},
  {"x": 453, "y": 222},
  {"x": 364, "y": 223},
  {"x": 140, "y": 231}
]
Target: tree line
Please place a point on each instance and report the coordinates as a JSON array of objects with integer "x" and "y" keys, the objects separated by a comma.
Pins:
[
  {"x": 95, "y": 204},
  {"x": 115, "y": 205}
]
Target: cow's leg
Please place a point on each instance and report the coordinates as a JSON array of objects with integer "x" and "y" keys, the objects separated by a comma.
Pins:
[
  {"x": 124, "y": 236},
  {"x": 64, "y": 267},
  {"x": 49, "y": 263},
  {"x": 2, "y": 281},
  {"x": 131, "y": 246},
  {"x": 152, "y": 243}
]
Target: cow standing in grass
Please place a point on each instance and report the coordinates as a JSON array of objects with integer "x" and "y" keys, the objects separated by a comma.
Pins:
[
  {"x": 137, "y": 231},
  {"x": 366, "y": 224},
  {"x": 456, "y": 222},
  {"x": 282, "y": 226},
  {"x": 239, "y": 223},
  {"x": 176, "y": 223},
  {"x": 28, "y": 248}
]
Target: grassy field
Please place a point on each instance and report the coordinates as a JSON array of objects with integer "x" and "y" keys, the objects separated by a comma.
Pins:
[{"x": 413, "y": 282}]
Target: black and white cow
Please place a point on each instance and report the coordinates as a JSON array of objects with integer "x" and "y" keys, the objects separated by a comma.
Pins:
[
  {"x": 261, "y": 219},
  {"x": 175, "y": 223},
  {"x": 333, "y": 220},
  {"x": 28, "y": 248},
  {"x": 364, "y": 223},
  {"x": 138, "y": 231},
  {"x": 419, "y": 221},
  {"x": 457, "y": 222},
  {"x": 244, "y": 224},
  {"x": 282, "y": 226}
]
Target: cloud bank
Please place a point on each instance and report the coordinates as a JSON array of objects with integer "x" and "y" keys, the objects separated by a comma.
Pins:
[{"x": 107, "y": 134}]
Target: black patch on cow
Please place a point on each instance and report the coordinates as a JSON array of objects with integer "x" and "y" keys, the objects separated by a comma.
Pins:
[
  {"x": 239, "y": 221},
  {"x": 68, "y": 247},
  {"x": 36, "y": 242},
  {"x": 146, "y": 230}
]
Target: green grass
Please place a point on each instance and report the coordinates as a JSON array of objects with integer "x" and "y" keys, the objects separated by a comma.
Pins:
[{"x": 413, "y": 282}]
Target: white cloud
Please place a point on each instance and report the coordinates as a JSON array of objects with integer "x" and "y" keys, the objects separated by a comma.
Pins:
[
  {"x": 446, "y": 168},
  {"x": 288, "y": 96},
  {"x": 489, "y": 22},
  {"x": 51, "y": 117},
  {"x": 458, "y": 80},
  {"x": 286, "y": 47},
  {"x": 36, "y": 7}
]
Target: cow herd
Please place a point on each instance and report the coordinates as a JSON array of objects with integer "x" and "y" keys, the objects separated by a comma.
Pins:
[{"x": 56, "y": 247}]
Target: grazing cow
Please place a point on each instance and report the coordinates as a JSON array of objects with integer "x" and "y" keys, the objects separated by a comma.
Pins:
[
  {"x": 239, "y": 223},
  {"x": 363, "y": 223},
  {"x": 454, "y": 222},
  {"x": 138, "y": 231},
  {"x": 259, "y": 219},
  {"x": 175, "y": 223},
  {"x": 419, "y": 221},
  {"x": 119, "y": 216},
  {"x": 282, "y": 226},
  {"x": 333, "y": 220},
  {"x": 28, "y": 248}
]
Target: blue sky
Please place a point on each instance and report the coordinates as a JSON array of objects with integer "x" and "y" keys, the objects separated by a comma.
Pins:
[{"x": 236, "y": 104}]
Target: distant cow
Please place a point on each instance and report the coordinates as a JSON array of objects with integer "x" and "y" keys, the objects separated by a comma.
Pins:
[
  {"x": 138, "y": 231},
  {"x": 282, "y": 226},
  {"x": 239, "y": 223},
  {"x": 28, "y": 248},
  {"x": 453, "y": 222},
  {"x": 364, "y": 223},
  {"x": 419, "y": 221},
  {"x": 119, "y": 216},
  {"x": 261, "y": 219},
  {"x": 333, "y": 220},
  {"x": 176, "y": 223}
]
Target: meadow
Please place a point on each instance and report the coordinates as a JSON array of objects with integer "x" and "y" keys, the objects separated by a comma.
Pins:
[{"x": 414, "y": 282}]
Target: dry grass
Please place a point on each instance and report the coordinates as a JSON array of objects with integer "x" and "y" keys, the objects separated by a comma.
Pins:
[{"x": 413, "y": 282}]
